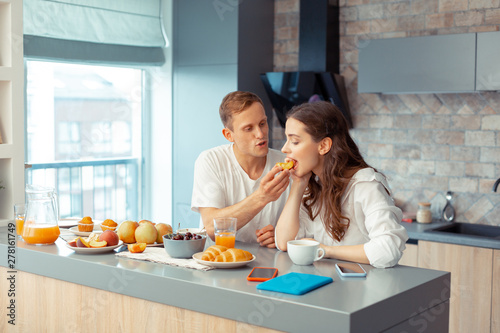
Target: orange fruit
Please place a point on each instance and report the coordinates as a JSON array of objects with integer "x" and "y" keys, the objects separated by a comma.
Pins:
[
  {"x": 95, "y": 243},
  {"x": 286, "y": 165},
  {"x": 136, "y": 247},
  {"x": 82, "y": 242}
]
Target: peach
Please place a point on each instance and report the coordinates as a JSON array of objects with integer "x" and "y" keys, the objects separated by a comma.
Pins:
[
  {"x": 162, "y": 229},
  {"x": 126, "y": 231},
  {"x": 72, "y": 244},
  {"x": 82, "y": 242},
  {"x": 146, "y": 221},
  {"x": 94, "y": 243},
  {"x": 110, "y": 237},
  {"x": 137, "y": 247},
  {"x": 146, "y": 233}
]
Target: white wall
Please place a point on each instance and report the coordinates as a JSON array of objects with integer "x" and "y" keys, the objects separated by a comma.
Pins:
[{"x": 158, "y": 181}]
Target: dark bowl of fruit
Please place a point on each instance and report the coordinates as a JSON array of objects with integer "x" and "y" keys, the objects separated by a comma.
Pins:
[{"x": 183, "y": 245}]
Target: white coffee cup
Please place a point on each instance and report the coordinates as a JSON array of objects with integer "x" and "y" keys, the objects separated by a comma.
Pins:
[{"x": 304, "y": 252}]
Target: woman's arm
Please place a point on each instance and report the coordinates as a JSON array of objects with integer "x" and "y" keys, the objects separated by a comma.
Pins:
[
  {"x": 355, "y": 253},
  {"x": 289, "y": 223}
]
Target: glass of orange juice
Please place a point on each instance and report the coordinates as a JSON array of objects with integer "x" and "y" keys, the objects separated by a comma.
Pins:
[
  {"x": 225, "y": 231},
  {"x": 19, "y": 211}
]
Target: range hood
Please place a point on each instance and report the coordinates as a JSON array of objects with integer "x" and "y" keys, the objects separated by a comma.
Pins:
[{"x": 317, "y": 77}]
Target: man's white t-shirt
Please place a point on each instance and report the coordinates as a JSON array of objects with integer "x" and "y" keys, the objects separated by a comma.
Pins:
[{"x": 220, "y": 181}]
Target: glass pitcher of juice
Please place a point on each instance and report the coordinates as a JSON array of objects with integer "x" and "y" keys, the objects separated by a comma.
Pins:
[{"x": 42, "y": 216}]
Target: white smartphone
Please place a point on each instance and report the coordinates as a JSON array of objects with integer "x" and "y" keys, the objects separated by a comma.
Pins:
[{"x": 350, "y": 270}]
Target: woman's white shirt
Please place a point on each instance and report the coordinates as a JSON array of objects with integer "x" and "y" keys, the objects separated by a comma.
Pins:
[{"x": 374, "y": 220}]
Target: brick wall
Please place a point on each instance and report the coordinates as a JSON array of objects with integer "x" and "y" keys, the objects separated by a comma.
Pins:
[{"x": 426, "y": 144}]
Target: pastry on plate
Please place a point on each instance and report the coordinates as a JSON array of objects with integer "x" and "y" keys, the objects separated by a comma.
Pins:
[{"x": 86, "y": 224}]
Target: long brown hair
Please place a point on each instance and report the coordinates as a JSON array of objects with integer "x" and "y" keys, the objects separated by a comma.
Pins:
[{"x": 323, "y": 119}]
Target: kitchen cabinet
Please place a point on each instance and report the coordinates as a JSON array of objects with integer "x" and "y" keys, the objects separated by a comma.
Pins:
[
  {"x": 41, "y": 301},
  {"x": 410, "y": 256},
  {"x": 488, "y": 66},
  {"x": 11, "y": 108},
  {"x": 60, "y": 291},
  {"x": 444, "y": 63},
  {"x": 472, "y": 271},
  {"x": 495, "y": 295}
]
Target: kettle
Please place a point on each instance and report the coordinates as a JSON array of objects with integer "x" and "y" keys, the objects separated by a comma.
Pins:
[{"x": 42, "y": 216}]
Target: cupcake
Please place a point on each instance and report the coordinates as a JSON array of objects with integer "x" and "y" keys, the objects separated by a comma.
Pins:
[
  {"x": 108, "y": 225},
  {"x": 86, "y": 224}
]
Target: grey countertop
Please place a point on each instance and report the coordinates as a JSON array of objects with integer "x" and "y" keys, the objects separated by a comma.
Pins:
[
  {"x": 383, "y": 299},
  {"x": 423, "y": 231}
]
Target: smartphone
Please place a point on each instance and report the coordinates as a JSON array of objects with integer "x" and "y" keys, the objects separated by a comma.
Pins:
[
  {"x": 350, "y": 270},
  {"x": 262, "y": 274}
]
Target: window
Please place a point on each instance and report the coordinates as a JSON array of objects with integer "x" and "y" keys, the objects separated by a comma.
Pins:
[{"x": 84, "y": 136}]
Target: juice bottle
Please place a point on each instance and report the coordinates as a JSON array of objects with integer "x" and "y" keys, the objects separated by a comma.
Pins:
[
  {"x": 226, "y": 239},
  {"x": 40, "y": 233}
]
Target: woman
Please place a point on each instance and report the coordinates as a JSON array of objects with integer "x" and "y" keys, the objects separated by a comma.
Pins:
[{"x": 336, "y": 198}]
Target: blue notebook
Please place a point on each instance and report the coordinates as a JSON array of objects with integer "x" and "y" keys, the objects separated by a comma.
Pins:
[{"x": 295, "y": 283}]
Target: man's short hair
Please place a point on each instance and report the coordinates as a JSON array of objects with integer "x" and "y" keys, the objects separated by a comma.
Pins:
[{"x": 234, "y": 103}]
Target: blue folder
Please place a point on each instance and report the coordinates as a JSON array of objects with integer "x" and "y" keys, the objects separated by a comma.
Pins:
[{"x": 295, "y": 283}]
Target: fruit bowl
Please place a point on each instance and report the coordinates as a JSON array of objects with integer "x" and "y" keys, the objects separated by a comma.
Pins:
[
  {"x": 197, "y": 231},
  {"x": 183, "y": 248}
]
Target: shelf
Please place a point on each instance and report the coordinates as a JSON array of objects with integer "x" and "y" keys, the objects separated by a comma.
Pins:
[
  {"x": 11, "y": 107},
  {"x": 5, "y": 34},
  {"x": 6, "y": 150},
  {"x": 5, "y": 73}
]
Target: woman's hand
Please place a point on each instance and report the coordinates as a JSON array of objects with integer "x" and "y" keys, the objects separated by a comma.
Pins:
[{"x": 300, "y": 182}]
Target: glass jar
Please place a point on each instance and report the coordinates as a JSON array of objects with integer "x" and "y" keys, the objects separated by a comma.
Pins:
[{"x": 424, "y": 214}]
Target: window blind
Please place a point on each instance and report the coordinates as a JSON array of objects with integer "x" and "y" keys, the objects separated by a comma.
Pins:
[{"x": 95, "y": 30}]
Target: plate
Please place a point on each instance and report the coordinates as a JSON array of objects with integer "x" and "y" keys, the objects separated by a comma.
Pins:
[
  {"x": 68, "y": 222},
  {"x": 155, "y": 245},
  {"x": 73, "y": 221},
  {"x": 149, "y": 245},
  {"x": 197, "y": 258},
  {"x": 93, "y": 250},
  {"x": 97, "y": 230}
]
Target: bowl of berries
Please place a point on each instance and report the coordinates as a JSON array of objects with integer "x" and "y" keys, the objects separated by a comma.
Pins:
[
  {"x": 183, "y": 245},
  {"x": 198, "y": 231}
]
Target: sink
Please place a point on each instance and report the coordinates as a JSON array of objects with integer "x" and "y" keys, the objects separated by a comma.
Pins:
[{"x": 470, "y": 229}]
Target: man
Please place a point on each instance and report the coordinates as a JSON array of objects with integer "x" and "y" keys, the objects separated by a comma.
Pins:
[{"x": 241, "y": 179}]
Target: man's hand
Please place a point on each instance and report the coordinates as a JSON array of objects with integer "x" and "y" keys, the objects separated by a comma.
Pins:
[
  {"x": 273, "y": 184},
  {"x": 265, "y": 236}
]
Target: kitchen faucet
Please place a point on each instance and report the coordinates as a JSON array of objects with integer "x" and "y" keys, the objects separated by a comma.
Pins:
[{"x": 496, "y": 185}]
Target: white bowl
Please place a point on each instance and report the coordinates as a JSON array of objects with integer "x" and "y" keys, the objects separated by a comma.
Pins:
[{"x": 183, "y": 248}]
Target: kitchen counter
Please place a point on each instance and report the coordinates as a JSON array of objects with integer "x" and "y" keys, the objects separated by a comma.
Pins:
[
  {"x": 394, "y": 299},
  {"x": 421, "y": 231}
]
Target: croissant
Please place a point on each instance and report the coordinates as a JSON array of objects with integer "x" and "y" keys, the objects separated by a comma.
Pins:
[
  {"x": 212, "y": 252},
  {"x": 234, "y": 255}
]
